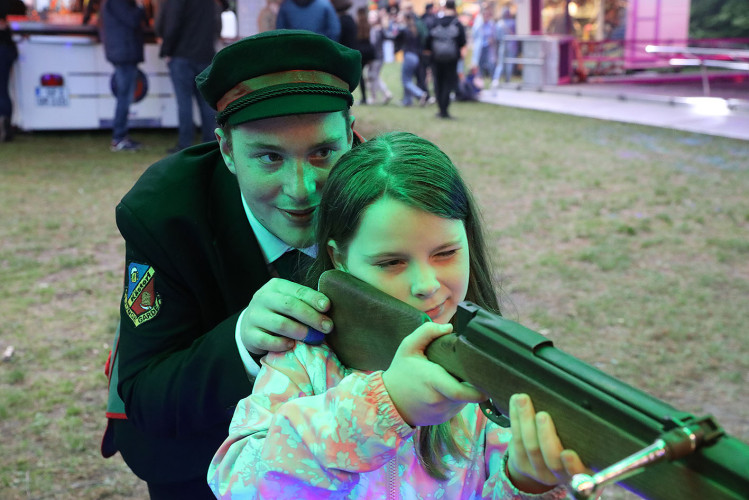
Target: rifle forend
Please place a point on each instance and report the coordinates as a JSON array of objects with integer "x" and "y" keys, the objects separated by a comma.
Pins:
[{"x": 600, "y": 417}]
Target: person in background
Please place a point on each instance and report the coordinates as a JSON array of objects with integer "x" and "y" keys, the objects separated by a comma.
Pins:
[
  {"x": 364, "y": 44},
  {"x": 8, "y": 55},
  {"x": 313, "y": 15},
  {"x": 313, "y": 428},
  {"x": 407, "y": 8},
  {"x": 484, "y": 50},
  {"x": 266, "y": 18},
  {"x": 445, "y": 72},
  {"x": 429, "y": 17},
  {"x": 215, "y": 236},
  {"x": 377, "y": 23},
  {"x": 348, "y": 25},
  {"x": 506, "y": 48},
  {"x": 188, "y": 30},
  {"x": 122, "y": 33},
  {"x": 390, "y": 44},
  {"x": 410, "y": 37},
  {"x": 470, "y": 85},
  {"x": 424, "y": 73},
  {"x": 90, "y": 7}
]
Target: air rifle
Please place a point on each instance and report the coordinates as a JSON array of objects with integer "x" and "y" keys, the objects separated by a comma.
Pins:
[{"x": 657, "y": 451}]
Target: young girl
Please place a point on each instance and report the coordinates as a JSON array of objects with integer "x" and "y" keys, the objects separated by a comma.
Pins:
[{"x": 396, "y": 214}]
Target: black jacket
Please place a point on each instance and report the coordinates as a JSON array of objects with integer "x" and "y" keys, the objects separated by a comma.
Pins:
[
  {"x": 348, "y": 31},
  {"x": 180, "y": 374},
  {"x": 189, "y": 29},
  {"x": 122, "y": 23}
]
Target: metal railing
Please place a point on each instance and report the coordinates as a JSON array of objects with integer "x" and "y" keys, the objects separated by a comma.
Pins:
[{"x": 733, "y": 59}]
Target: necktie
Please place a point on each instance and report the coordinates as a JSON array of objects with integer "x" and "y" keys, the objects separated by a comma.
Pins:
[{"x": 293, "y": 265}]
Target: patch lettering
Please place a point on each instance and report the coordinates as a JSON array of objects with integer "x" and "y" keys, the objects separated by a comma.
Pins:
[{"x": 142, "y": 303}]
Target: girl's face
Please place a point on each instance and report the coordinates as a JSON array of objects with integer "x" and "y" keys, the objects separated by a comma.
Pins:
[{"x": 415, "y": 256}]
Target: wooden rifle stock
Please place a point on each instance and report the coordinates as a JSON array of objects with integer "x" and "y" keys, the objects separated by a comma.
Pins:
[{"x": 600, "y": 417}]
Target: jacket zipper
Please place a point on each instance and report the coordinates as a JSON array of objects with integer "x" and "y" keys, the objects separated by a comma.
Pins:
[{"x": 392, "y": 475}]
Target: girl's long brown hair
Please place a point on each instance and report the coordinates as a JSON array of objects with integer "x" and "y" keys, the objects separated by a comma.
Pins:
[{"x": 414, "y": 171}]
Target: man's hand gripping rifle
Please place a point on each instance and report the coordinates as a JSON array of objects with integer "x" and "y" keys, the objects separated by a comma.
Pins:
[{"x": 673, "y": 455}]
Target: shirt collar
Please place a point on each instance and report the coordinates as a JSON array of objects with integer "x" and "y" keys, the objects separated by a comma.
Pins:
[{"x": 270, "y": 244}]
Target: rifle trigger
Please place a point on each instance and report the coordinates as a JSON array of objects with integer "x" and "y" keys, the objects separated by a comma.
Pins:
[{"x": 492, "y": 413}]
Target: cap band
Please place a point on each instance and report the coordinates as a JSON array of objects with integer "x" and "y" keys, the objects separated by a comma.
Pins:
[{"x": 283, "y": 77}]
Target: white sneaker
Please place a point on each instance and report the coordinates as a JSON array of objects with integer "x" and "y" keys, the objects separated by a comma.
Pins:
[{"x": 125, "y": 144}]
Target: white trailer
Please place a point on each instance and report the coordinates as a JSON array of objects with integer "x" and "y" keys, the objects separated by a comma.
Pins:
[{"x": 62, "y": 81}]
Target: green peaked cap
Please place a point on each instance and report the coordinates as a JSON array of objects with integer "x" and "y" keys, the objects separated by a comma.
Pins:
[{"x": 279, "y": 73}]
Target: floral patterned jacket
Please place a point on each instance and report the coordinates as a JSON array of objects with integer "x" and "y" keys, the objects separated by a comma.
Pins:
[{"x": 313, "y": 429}]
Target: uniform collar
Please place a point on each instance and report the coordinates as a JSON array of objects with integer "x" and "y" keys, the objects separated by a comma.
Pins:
[{"x": 270, "y": 244}]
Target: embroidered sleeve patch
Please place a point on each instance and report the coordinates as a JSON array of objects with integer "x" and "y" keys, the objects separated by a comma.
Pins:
[{"x": 141, "y": 300}]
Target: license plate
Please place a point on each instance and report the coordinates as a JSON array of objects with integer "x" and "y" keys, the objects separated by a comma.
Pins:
[{"x": 52, "y": 96}]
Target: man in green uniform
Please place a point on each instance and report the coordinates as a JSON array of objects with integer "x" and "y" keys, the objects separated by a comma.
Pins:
[{"x": 206, "y": 230}]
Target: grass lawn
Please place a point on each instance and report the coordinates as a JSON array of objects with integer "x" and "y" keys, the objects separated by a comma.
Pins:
[{"x": 627, "y": 245}]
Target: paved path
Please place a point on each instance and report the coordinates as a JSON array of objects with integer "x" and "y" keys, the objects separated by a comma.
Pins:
[{"x": 727, "y": 117}]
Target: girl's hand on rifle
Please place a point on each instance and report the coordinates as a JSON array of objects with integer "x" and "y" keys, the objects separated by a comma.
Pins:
[
  {"x": 537, "y": 461},
  {"x": 423, "y": 392}
]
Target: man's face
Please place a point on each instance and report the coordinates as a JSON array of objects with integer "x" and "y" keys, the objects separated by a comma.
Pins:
[{"x": 281, "y": 165}]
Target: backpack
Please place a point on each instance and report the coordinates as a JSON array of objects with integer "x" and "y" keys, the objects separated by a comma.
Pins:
[{"x": 445, "y": 42}]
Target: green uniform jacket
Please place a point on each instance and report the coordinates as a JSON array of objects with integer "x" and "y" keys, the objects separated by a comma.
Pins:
[{"x": 194, "y": 264}]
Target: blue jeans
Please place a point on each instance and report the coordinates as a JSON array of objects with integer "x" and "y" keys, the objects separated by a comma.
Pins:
[
  {"x": 506, "y": 50},
  {"x": 486, "y": 61},
  {"x": 183, "y": 72},
  {"x": 125, "y": 76},
  {"x": 408, "y": 73}
]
